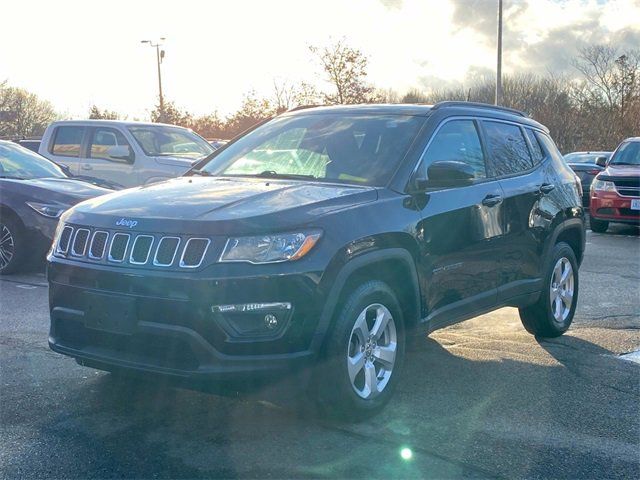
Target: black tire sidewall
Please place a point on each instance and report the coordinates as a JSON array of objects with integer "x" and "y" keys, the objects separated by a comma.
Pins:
[
  {"x": 559, "y": 251},
  {"x": 598, "y": 226},
  {"x": 335, "y": 393}
]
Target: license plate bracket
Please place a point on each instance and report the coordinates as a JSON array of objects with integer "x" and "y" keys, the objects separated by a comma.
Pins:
[
  {"x": 635, "y": 204},
  {"x": 110, "y": 313}
]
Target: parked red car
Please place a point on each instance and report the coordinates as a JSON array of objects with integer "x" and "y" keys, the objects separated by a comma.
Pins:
[{"x": 615, "y": 192}]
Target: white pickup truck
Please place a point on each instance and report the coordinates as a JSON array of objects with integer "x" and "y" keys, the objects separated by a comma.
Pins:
[{"x": 122, "y": 154}]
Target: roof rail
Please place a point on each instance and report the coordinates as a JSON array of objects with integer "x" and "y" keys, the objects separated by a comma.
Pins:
[
  {"x": 450, "y": 103},
  {"x": 303, "y": 107}
]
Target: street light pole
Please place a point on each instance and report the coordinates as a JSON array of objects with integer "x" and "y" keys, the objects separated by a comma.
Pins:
[
  {"x": 498, "y": 99},
  {"x": 159, "y": 57}
]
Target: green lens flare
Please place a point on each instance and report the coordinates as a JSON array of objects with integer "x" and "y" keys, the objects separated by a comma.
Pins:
[{"x": 406, "y": 454}]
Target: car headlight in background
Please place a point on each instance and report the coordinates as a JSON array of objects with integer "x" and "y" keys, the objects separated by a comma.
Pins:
[
  {"x": 602, "y": 185},
  {"x": 48, "y": 210},
  {"x": 269, "y": 248}
]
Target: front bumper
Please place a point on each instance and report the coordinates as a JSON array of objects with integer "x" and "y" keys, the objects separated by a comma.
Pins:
[
  {"x": 612, "y": 207},
  {"x": 168, "y": 325}
]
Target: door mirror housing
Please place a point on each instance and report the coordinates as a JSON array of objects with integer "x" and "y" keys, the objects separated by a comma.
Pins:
[
  {"x": 449, "y": 173},
  {"x": 120, "y": 152},
  {"x": 601, "y": 161}
]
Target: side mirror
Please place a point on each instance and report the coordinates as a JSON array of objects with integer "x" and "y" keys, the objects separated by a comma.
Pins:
[
  {"x": 120, "y": 152},
  {"x": 450, "y": 173},
  {"x": 601, "y": 161}
]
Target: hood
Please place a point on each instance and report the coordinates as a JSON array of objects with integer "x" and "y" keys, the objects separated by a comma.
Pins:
[
  {"x": 66, "y": 186},
  {"x": 235, "y": 204},
  {"x": 186, "y": 162},
  {"x": 621, "y": 171}
]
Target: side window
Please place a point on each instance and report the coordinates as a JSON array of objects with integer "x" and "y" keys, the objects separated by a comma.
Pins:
[
  {"x": 457, "y": 140},
  {"x": 67, "y": 141},
  {"x": 508, "y": 151},
  {"x": 536, "y": 151},
  {"x": 110, "y": 144}
]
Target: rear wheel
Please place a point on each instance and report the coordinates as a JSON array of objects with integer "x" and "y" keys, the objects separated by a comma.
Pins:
[
  {"x": 364, "y": 354},
  {"x": 598, "y": 226},
  {"x": 553, "y": 313},
  {"x": 12, "y": 247}
]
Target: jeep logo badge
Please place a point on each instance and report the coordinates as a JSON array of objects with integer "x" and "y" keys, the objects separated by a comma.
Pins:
[{"x": 125, "y": 222}]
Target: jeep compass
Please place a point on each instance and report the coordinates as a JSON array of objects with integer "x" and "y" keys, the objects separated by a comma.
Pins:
[{"x": 318, "y": 242}]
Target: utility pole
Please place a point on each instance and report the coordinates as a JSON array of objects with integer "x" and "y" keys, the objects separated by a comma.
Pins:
[
  {"x": 159, "y": 57},
  {"x": 498, "y": 99}
]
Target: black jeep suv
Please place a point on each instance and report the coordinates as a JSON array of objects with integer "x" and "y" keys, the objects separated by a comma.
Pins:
[{"x": 319, "y": 241}]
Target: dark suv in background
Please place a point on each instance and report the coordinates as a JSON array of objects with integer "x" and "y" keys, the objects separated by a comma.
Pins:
[{"x": 317, "y": 242}]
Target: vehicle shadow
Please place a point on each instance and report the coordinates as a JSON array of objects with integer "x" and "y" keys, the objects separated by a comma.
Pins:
[{"x": 466, "y": 405}]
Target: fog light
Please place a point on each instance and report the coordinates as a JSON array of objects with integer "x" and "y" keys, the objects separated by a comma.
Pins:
[{"x": 271, "y": 321}]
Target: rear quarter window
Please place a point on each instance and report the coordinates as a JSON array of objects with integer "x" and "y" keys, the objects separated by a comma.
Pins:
[{"x": 67, "y": 141}]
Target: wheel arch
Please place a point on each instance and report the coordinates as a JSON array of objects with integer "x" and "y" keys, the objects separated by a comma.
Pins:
[
  {"x": 11, "y": 213},
  {"x": 573, "y": 233},
  {"x": 394, "y": 266}
]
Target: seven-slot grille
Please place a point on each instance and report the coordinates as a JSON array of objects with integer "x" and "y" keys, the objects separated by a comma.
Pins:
[{"x": 135, "y": 249}]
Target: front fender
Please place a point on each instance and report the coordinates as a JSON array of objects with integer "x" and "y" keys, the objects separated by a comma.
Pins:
[{"x": 338, "y": 282}]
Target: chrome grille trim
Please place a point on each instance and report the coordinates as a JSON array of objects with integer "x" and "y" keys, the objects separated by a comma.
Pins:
[
  {"x": 204, "y": 252},
  {"x": 175, "y": 252},
  {"x": 133, "y": 249},
  {"x": 124, "y": 254},
  {"x": 59, "y": 248},
  {"x": 104, "y": 247},
  {"x": 75, "y": 252}
]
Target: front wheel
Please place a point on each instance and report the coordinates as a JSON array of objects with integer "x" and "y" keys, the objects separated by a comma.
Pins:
[
  {"x": 364, "y": 354},
  {"x": 12, "y": 247},
  {"x": 553, "y": 313}
]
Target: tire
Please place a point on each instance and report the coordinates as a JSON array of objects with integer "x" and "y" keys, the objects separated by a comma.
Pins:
[
  {"x": 598, "y": 226},
  {"x": 547, "y": 317},
  {"x": 376, "y": 366},
  {"x": 12, "y": 245}
]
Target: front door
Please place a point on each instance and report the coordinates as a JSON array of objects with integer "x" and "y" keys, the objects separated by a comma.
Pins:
[
  {"x": 460, "y": 229},
  {"x": 109, "y": 158}
]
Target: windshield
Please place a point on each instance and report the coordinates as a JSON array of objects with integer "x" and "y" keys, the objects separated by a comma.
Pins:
[
  {"x": 21, "y": 163},
  {"x": 362, "y": 149},
  {"x": 161, "y": 140},
  {"x": 627, "y": 154},
  {"x": 585, "y": 157}
]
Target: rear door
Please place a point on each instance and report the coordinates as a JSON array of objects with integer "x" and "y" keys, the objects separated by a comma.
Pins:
[
  {"x": 460, "y": 229},
  {"x": 65, "y": 147},
  {"x": 514, "y": 158},
  {"x": 109, "y": 158}
]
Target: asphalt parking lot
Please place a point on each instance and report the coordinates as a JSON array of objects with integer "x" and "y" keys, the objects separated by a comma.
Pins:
[{"x": 479, "y": 399}]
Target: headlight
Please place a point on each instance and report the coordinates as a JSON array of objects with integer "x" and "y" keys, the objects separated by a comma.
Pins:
[
  {"x": 48, "y": 210},
  {"x": 269, "y": 248},
  {"x": 603, "y": 186}
]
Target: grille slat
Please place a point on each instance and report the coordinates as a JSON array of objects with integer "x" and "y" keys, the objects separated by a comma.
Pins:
[
  {"x": 141, "y": 249},
  {"x": 166, "y": 252},
  {"x": 194, "y": 252},
  {"x": 65, "y": 239},
  {"x": 119, "y": 244},
  {"x": 98, "y": 244},
  {"x": 80, "y": 242}
]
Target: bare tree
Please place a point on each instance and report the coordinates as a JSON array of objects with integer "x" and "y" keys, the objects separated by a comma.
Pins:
[
  {"x": 346, "y": 70},
  {"x": 96, "y": 113},
  {"x": 22, "y": 113},
  {"x": 287, "y": 95}
]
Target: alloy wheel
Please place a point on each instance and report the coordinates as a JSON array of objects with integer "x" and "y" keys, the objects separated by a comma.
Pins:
[
  {"x": 371, "y": 351},
  {"x": 7, "y": 246},
  {"x": 562, "y": 289}
]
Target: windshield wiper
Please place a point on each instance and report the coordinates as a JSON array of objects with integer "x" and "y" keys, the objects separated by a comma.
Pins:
[
  {"x": 202, "y": 173},
  {"x": 274, "y": 174}
]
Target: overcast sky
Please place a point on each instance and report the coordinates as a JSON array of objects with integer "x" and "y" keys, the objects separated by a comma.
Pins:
[{"x": 79, "y": 53}]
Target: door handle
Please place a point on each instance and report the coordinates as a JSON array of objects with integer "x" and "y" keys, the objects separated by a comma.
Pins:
[
  {"x": 491, "y": 200},
  {"x": 546, "y": 188},
  {"x": 87, "y": 166}
]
